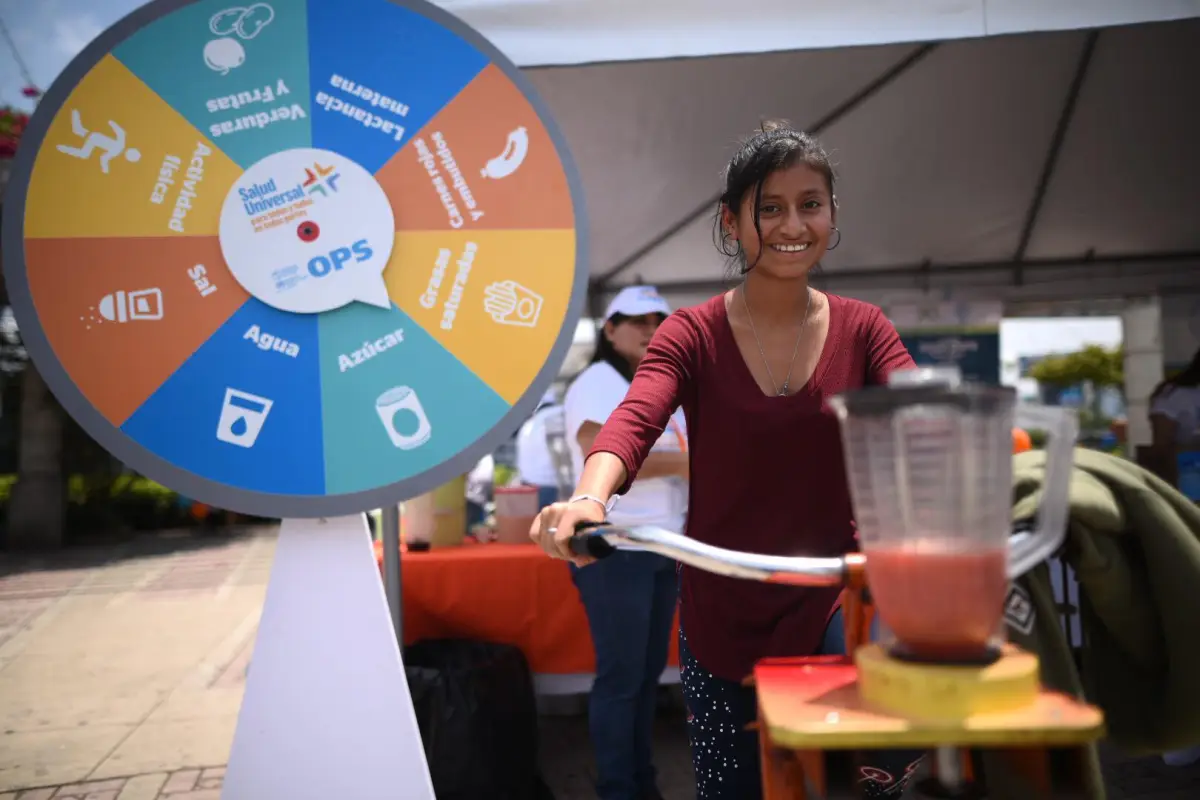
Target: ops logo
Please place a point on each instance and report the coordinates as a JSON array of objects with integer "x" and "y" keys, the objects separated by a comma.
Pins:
[{"x": 320, "y": 266}]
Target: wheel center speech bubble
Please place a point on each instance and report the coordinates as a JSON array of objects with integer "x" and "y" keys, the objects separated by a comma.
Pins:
[{"x": 308, "y": 230}]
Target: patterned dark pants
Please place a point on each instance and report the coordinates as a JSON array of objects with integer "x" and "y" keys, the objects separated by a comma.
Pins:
[{"x": 725, "y": 755}]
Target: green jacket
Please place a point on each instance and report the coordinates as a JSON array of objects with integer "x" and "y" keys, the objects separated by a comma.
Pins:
[{"x": 1134, "y": 544}]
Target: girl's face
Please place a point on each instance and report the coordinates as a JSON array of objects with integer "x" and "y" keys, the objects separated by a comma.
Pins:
[
  {"x": 631, "y": 335},
  {"x": 796, "y": 218}
]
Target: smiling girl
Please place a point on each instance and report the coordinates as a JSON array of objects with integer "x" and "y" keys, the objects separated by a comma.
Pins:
[{"x": 751, "y": 369}]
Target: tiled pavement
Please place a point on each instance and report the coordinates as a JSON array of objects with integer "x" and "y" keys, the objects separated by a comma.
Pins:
[
  {"x": 182, "y": 784},
  {"x": 126, "y": 661},
  {"x": 121, "y": 671}
]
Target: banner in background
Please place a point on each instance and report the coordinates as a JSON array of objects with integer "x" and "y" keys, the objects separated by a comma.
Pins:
[{"x": 950, "y": 333}]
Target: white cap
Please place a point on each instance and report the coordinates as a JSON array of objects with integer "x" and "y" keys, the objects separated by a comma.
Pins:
[{"x": 634, "y": 301}]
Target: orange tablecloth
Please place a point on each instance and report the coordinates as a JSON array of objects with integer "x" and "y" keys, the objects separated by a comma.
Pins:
[{"x": 507, "y": 593}]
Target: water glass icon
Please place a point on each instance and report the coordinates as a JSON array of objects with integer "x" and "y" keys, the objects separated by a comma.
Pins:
[
  {"x": 389, "y": 405},
  {"x": 121, "y": 306},
  {"x": 242, "y": 417}
]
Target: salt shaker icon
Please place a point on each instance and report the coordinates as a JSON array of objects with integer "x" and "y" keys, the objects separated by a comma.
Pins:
[
  {"x": 389, "y": 405},
  {"x": 121, "y": 306}
]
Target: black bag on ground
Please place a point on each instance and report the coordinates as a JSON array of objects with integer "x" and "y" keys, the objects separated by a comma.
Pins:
[{"x": 478, "y": 718}]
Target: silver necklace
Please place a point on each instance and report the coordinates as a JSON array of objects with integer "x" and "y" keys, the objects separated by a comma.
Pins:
[{"x": 780, "y": 391}]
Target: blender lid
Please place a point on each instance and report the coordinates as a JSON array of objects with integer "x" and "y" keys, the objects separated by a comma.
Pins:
[{"x": 969, "y": 398}]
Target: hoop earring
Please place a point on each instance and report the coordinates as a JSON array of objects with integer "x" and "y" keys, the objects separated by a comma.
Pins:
[
  {"x": 730, "y": 251},
  {"x": 839, "y": 240}
]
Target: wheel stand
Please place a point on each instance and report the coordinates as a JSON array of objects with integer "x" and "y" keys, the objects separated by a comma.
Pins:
[{"x": 819, "y": 718}]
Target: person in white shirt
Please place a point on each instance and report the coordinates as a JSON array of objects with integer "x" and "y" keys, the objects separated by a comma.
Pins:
[
  {"x": 1175, "y": 420},
  {"x": 630, "y": 597},
  {"x": 535, "y": 462},
  {"x": 480, "y": 485},
  {"x": 1175, "y": 426}
]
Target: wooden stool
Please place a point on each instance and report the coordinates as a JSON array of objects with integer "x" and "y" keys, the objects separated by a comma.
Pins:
[{"x": 819, "y": 718}]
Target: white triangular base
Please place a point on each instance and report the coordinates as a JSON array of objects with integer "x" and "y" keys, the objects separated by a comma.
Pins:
[{"x": 327, "y": 712}]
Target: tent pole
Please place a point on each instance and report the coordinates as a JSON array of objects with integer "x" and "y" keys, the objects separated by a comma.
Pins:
[{"x": 1056, "y": 143}]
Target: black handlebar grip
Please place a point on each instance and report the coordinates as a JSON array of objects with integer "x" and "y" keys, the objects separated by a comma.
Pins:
[{"x": 587, "y": 540}]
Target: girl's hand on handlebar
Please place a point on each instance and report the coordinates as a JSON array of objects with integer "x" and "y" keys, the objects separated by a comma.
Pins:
[{"x": 554, "y": 526}]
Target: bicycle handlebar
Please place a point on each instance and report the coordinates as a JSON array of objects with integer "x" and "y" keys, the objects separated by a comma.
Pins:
[{"x": 601, "y": 539}]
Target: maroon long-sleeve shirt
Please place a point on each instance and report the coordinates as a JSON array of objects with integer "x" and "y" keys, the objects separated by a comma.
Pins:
[{"x": 767, "y": 473}]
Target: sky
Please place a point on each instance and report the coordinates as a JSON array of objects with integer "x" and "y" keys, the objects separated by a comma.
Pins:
[
  {"x": 48, "y": 34},
  {"x": 1037, "y": 337}
]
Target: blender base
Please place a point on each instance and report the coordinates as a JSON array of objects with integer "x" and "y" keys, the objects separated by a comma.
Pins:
[
  {"x": 990, "y": 656},
  {"x": 815, "y": 716},
  {"x": 947, "y": 692}
]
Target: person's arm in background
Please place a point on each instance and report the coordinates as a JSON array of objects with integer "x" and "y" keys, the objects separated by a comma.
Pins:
[
  {"x": 1164, "y": 431},
  {"x": 656, "y": 464},
  {"x": 885, "y": 352},
  {"x": 525, "y": 443}
]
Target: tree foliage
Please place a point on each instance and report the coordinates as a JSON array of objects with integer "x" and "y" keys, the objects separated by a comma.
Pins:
[
  {"x": 1093, "y": 364},
  {"x": 12, "y": 125}
]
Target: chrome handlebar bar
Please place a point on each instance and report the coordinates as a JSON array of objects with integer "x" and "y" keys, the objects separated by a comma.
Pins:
[{"x": 602, "y": 539}]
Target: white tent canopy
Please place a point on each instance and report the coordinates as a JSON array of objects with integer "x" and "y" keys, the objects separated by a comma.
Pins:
[
  {"x": 538, "y": 33},
  {"x": 1058, "y": 160}
]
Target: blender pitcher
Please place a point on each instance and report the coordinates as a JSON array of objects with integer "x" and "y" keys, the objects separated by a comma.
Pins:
[{"x": 929, "y": 464}]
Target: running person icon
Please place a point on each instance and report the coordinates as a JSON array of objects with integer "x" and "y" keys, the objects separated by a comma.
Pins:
[{"x": 112, "y": 146}]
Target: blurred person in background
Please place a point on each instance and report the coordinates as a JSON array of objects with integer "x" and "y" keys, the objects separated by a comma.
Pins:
[
  {"x": 480, "y": 488},
  {"x": 630, "y": 597},
  {"x": 1175, "y": 428},
  {"x": 1175, "y": 421},
  {"x": 535, "y": 461}
]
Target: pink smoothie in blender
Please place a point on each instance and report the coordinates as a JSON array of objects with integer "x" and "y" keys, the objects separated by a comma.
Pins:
[
  {"x": 929, "y": 462},
  {"x": 943, "y": 605}
]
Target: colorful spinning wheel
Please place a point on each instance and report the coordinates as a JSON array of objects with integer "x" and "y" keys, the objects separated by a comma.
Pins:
[{"x": 295, "y": 257}]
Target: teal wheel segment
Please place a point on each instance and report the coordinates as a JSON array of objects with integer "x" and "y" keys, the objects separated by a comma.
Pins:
[
  {"x": 238, "y": 72},
  {"x": 395, "y": 402}
]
